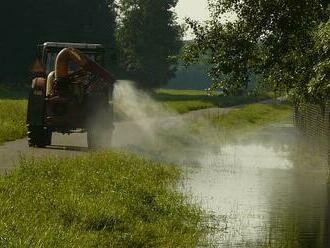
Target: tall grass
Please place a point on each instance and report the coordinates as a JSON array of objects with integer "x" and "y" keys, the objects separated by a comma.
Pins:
[
  {"x": 97, "y": 200},
  {"x": 12, "y": 119}
]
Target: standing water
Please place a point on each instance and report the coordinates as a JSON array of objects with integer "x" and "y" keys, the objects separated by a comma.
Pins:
[{"x": 269, "y": 189}]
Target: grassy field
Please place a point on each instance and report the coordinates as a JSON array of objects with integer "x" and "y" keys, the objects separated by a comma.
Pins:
[
  {"x": 97, "y": 200},
  {"x": 184, "y": 101},
  {"x": 12, "y": 119},
  {"x": 252, "y": 116}
]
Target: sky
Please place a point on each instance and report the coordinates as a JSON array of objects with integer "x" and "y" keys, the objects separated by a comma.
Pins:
[{"x": 196, "y": 9}]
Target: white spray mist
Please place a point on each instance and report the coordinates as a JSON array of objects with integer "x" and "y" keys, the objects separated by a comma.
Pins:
[{"x": 154, "y": 131}]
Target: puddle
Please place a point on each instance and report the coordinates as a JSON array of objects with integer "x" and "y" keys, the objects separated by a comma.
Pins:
[{"x": 271, "y": 190}]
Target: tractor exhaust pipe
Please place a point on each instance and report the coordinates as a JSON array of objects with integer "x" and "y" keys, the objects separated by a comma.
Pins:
[{"x": 74, "y": 55}]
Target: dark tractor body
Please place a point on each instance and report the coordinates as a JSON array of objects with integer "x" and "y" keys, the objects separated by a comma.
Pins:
[{"x": 71, "y": 92}]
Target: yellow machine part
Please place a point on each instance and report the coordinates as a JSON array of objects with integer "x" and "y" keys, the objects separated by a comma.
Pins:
[{"x": 50, "y": 83}]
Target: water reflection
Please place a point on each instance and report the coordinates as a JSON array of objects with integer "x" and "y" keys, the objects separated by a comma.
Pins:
[{"x": 271, "y": 186}]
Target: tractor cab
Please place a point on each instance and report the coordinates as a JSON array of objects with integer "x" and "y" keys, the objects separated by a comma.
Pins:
[
  {"x": 71, "y": 91},
  {"x": 48, "y": 52}
]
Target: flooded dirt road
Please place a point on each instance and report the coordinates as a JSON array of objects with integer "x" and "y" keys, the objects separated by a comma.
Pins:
[{"x": 270, "y": 187}]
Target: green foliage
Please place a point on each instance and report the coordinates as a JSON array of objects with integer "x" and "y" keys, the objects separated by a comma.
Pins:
[
  {"x": 12, "y": 119},
  {"x": 271, "y": 38},
  {"x": 319, "y": 86},
  {"x": 97, "y": 200},
  {"x": 227, "y": 62},
  {"x": 149, "y": 38}
]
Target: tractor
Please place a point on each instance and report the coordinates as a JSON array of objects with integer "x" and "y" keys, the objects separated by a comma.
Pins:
[{"x": 71, "y": 92}]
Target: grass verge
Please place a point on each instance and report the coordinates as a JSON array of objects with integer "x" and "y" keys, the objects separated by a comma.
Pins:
[
  {"x": 98, "y": 200},
  {"x": 12, "y": 119},
  {"x": 252, "y": 116},
  {"x": 186, "y": 106},
  {"x": 184, "y": 101}
]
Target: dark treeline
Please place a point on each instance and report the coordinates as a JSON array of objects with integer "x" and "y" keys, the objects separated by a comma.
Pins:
[
  {"x": 25, "y": 24},
  {"x": 149, "y": 40}
]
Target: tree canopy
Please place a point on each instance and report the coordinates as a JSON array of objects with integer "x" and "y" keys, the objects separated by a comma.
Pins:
[
  {"x": 319, "y": 85},
  {"x": 149, "y": 39},
  {"x": 276, "y": 39}
]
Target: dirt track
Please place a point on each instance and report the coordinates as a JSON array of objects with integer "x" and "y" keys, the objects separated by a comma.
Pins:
[{"x": 126, "y": 133}]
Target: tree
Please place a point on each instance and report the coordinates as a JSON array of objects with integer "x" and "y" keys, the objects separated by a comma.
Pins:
[
  {"x": 271, "y": 38},
  {"x": 148, "y": 38},
  {"x": 319, "y": 85}
]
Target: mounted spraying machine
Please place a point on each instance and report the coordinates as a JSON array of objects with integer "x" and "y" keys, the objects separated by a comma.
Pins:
[{"x": 71, "y": 92}]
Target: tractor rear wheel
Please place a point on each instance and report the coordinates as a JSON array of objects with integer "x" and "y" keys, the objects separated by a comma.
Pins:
[{"x": 38, "y": 136}]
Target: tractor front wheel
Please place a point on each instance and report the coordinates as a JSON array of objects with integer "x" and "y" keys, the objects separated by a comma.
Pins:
[{"x": 38, "y": 136}]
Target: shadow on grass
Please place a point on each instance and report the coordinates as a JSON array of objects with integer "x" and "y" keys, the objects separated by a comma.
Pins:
[{"x": 69, "y": 148}]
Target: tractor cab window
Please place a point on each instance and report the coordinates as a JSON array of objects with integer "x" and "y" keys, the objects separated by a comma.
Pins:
[
  {"x": 91, "y": 56},
  {"x": 50, "y": 60}
]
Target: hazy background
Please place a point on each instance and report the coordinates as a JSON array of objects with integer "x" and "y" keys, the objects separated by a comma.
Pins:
[{"x": 195, "y": 76}]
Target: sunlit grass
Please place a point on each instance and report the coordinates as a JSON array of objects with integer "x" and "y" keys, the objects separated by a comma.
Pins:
[
  {"x": 186, "y": 106},
  {"x": 253, "y": 115},
  {"x": 184, "y": 101},
  {"x": 12, "y": 119},
  {"x": 97, "y": 200},
  {"x": 182, "y": 92}
]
